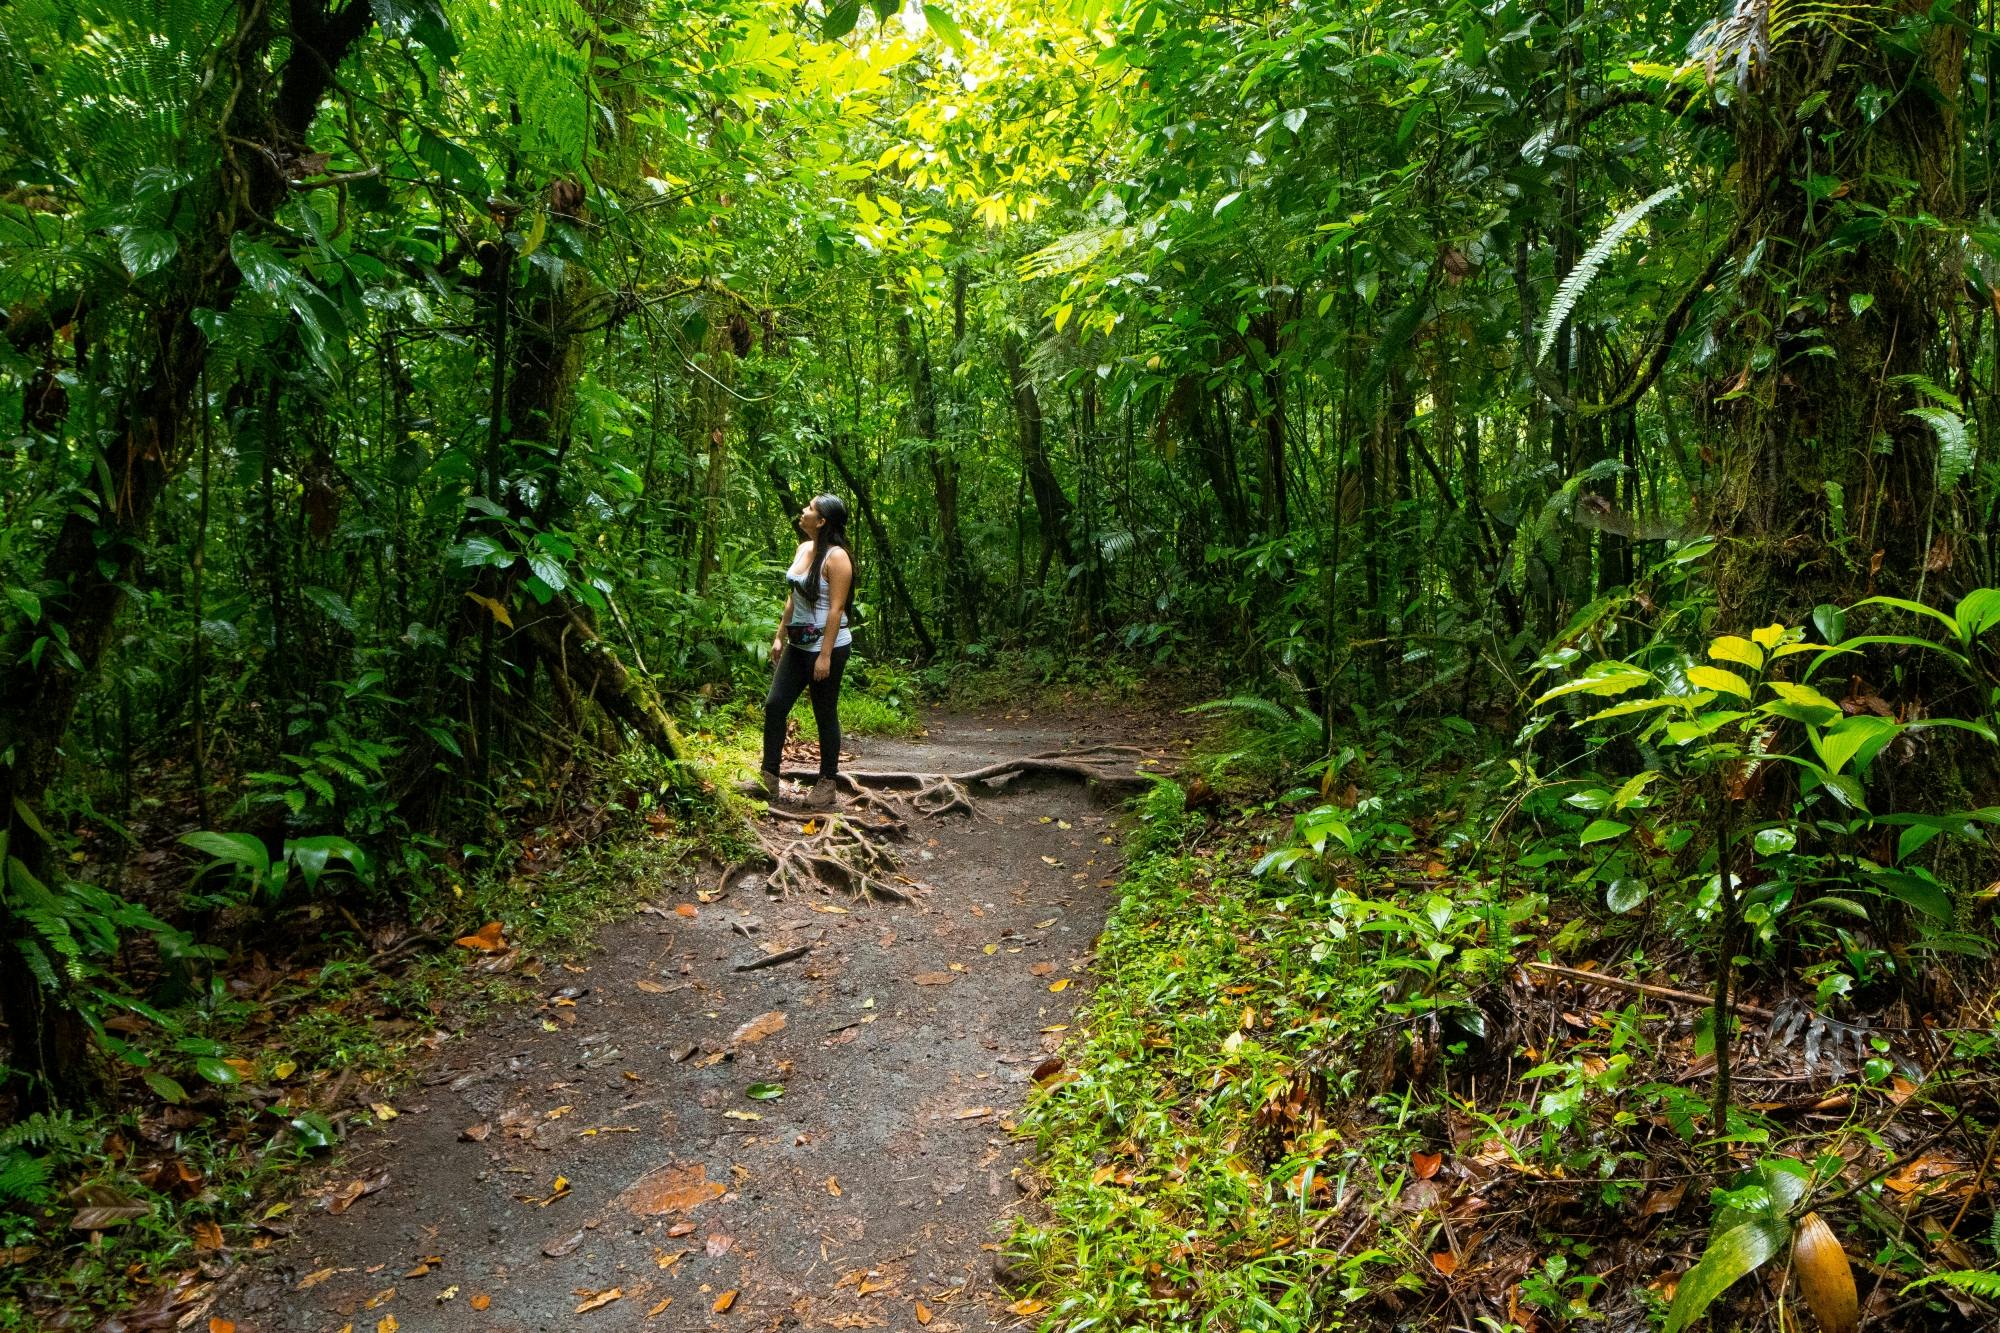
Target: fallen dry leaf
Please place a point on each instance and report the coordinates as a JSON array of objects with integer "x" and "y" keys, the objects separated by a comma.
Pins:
[
  {"x": 387, "y": 1324},
  {"x": 718, "y": 1245},
  {"x": 207, "y": 1236},
  {"x": 934, "y": 978},
  {"x": 758, "y": 1028},
  {"x": 562, "y": 1245},
  {"x": 973, "y": 1113},
  {"x": 476, "y": 1133},
  {"x": 221, "y": 1326},
  {"x": 481, "y": 1301},
  {"x": 600, "y": 1300},
  {"x": 1061, "y": 985},
  {"x": 650, "y": 987},
  {"x": 671, "y": 1189},
  {"x": 489, "y": 938},
  {"x": 923, "y": 1313},
  {"x": 833, "y": 1186},
  {"x": 1040, "y": 969},
  {"x": 687, "y": 909},
  {"x": 1048, "y": 1069},
  {"x": 1424, "y": 1165},
  {"x": 655, "y": 1311},
  {"x": 725, "y": 1300},
  {"x": 311, "y": 1280},
  {"x": 1445, "y": 1262},
  {"x": 1027, "y": 1305},
  {"x": 343, "y": 1198}
]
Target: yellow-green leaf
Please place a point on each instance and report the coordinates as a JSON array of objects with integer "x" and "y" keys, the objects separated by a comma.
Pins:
[
  {"x": 1731, "y": 648},
  {"x": 1769, "y": 636},
  {"x": 1715, "y": 678}
]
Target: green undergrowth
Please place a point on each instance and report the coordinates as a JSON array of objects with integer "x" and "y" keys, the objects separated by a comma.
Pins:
[
  {"x": 295, "y": 1051},
  {"x": 1325, "y": 1082}
]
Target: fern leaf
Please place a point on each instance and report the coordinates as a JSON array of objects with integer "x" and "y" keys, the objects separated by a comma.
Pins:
[
  {"x": 1572, "y": 288},
  {"x": 1977, "y": 1282}
]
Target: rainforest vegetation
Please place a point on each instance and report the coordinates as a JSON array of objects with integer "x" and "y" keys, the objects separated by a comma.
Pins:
[{"x": 1550, "y": 450}]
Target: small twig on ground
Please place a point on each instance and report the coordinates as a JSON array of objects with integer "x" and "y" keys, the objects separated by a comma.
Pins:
[
  {"x": 774, "y": 959},
  {"x": 1645, "y": 988}
]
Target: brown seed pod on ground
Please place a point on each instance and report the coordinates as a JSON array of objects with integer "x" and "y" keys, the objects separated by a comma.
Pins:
[{"x": 1825, "y": 1276}]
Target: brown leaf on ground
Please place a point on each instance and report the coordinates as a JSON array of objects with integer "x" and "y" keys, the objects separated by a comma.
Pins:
[
  {"x": 718, "y": 1245},
  {"x": 656, "y": 1310},
  {"x": 598, "y": 1300},
  {"x": 934, "y": 978},
  {"x": 207, "y": 1236},
  {"x": 562, "y": 1245},
  {"x": 758, "y": 1028},
  {"x": 489, "y": 938},
  {"x": 1424, "y": 1165},
  {"x": 1663, "y": 1200},
  {"x": 343, "y": 1198},
  {"x": 1040, "y": 969},
  {"x": 221, "y": 1326},
  {"x": 671, "y": 1189},
  {"x": 1048, "y": 1069},
  {"x": 475, "y": 1133},
  {"x": 687, "y": 910},
  {"x": 923, "y": 1313},
  {"x": 1445, "y": 1262},
  {"x": 313, "y": 1279},
  {"x": 724, "y": 1301},
  {"x": 481, "y": 1301},
  {"x": 650, "y": 987},
  {"x": 833, "y": 1186}
]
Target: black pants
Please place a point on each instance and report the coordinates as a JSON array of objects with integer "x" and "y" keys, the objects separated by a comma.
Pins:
[{"x": 793, "y": 674}]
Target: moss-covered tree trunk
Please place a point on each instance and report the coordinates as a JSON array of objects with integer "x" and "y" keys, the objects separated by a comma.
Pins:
[{"x": 1847, "y": 152}]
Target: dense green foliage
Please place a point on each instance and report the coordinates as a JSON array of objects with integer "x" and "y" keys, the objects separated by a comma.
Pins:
[{"x": 404, "y": 403}]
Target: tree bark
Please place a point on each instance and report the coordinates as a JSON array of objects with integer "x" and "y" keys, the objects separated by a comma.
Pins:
[{"x": 1052, "y": 506}]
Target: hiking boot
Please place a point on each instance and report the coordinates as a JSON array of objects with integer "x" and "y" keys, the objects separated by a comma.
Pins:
[
  {"x": 763, "y": 787},
  {"x": 824, "y": 795}
]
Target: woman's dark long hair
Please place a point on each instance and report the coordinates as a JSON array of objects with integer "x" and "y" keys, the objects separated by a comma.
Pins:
[{"x": 832, "y": 511}]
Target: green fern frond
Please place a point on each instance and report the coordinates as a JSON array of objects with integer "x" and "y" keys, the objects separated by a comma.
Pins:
[
  {"x": 22, "y": 1176},
  {"x": 58, "y": 1130},
  {"x": 1248, "y": 703},
  {"x": 1975, "y": 1281},
  {"x": 1572, "y": 288}
]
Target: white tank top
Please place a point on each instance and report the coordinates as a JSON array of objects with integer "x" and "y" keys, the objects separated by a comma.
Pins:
[{"x": 817, "y": 616}]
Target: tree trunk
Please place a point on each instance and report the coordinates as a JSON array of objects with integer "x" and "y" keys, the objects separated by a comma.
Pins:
[
  {"x": 1829, "y": 483},
  {"x": 1052, "y": 506},
  {"x": 94, "y": 554},
  {"x": 864, "y": 500}
]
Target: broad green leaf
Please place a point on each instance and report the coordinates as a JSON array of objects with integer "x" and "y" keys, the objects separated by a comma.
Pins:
[
  {"x": 1854, "y": 739},
  {"x": 1635, "y": 706},
  {"x": 1605, "y": 678},
  {"x": 1715, "y": 678},
  {"x": 1917, "y": 887},
  {"x": 1730, "y": 648},
  {"x": 1770, "y": 636},
  {"x": 841, "y": 16},
  {"x": 166, "y": 1089},
  {"x": 215, "y": 1071},
  {"x": 1602, "y": 830},
  {"x": 1772, "y": 841},
  {"x": 764, "y": 1092},
  {"x": 241, "y": 849},
  {"x": 1630, "y": 791},
  {"x": 1977, "y": 612},
  {"x": 941, "y": 22},
  {"x": 1914, "y": 608},
  {"x": 146, "y": 249},
  {"x": 1622, "y": 895},
  {"x": 1731, "y": 1256}
]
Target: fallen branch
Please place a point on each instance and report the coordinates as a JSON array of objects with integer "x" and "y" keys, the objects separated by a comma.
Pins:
[{"x": 1644, "y": 988}]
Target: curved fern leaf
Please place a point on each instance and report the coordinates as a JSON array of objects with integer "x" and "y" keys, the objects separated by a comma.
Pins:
[
  {"x": 1593, "y": 259},
  {"x": 1976, "y": 1281}
]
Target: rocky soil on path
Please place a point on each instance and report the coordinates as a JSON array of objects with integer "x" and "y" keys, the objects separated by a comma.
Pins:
[{"x": 619, "y": 1156}]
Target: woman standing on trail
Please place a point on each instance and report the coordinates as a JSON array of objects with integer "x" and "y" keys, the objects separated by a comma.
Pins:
[{"x": 820, "y": 587}]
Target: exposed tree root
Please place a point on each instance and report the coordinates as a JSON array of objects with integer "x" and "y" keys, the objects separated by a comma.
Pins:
[{"x": 850, "y": 850}]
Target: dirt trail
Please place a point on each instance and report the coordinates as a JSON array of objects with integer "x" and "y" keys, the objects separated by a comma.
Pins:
[{"x": 880, "y": 1179}]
